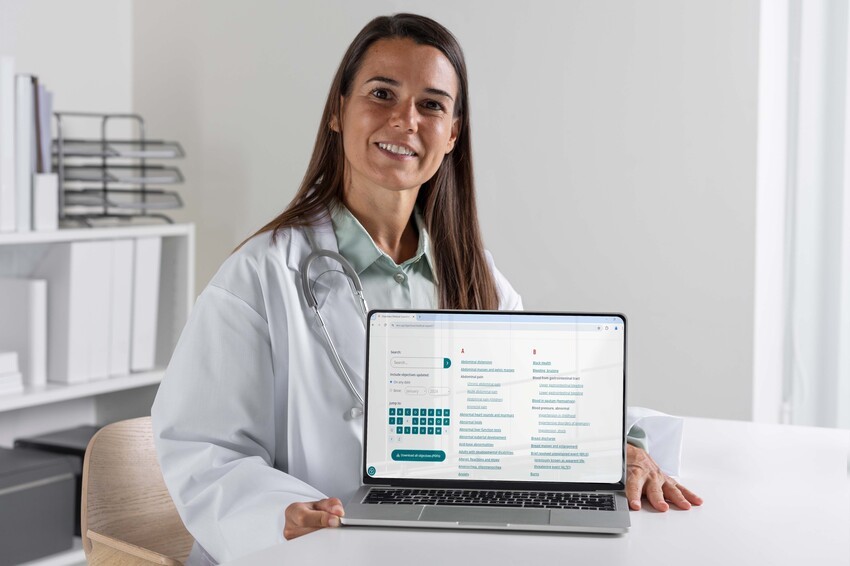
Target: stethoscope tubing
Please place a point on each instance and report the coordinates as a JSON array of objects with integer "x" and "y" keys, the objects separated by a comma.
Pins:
[{"x": 313, "y": 303}]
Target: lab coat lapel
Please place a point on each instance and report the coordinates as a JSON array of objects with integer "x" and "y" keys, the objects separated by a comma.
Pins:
[{"x": 336, "y": 301}]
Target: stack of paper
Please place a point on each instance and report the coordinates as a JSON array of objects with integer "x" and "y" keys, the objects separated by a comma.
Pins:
[{"x": 10, "y": 377}]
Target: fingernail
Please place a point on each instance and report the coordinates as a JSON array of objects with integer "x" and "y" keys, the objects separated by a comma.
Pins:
[
  {"x": 635, "y": 503},
  {"x": 333, "y": 521}
]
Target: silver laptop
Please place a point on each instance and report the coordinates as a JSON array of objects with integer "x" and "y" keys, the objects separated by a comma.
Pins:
[{"x": 494, "y": 420}]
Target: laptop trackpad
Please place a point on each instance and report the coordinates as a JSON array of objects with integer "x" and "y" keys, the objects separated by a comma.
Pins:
[{"x": 490, "y": 516}]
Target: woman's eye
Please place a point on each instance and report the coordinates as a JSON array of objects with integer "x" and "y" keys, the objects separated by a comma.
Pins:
[
  {"x": 432, "y": 105},
  {"x": 381, "y": 93}
]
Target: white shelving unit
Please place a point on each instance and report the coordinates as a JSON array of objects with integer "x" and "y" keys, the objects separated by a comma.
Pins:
[
  {"x": 58, "y": 406},
  {"x": 57, "y": 392}
]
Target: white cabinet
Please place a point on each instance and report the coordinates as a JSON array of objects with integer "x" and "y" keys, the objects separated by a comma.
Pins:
[{"x": 59, "y": 406}]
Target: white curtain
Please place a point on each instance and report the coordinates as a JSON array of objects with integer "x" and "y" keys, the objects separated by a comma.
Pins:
[{"x": 816, "y": 279}]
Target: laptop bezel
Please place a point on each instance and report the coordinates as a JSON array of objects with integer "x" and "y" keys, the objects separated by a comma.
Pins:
[{"x": 461, "y": 483}]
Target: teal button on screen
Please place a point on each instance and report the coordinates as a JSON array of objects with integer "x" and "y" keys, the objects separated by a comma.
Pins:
[{"x": 418, "y": 455}]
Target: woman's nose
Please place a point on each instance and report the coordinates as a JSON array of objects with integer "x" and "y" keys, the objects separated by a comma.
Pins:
[{"x": 404, "y": 116}]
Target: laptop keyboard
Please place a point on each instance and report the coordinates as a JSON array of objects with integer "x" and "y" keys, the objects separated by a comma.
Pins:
[{"x": 483, "y": 498}]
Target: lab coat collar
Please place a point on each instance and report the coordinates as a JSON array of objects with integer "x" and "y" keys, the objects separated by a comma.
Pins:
[{"x": 299, "y": 246}]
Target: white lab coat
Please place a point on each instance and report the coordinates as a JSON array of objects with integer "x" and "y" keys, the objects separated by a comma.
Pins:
[{"x": 249, "y": 416}]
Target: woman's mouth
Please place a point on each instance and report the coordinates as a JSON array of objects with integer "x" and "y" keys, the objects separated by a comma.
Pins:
[{"x": 396, "y": 150}]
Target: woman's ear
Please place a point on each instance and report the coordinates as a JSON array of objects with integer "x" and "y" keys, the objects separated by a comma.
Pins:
[
  {"x": 334, "y": 124},
  {"x": 453, "y": 137}
]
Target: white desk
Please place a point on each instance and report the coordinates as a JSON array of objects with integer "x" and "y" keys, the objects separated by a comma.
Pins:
[{"x": 773, "y": 495}]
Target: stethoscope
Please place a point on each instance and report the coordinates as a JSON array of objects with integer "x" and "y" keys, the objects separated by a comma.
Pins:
[{"x": 313, "y": 303}]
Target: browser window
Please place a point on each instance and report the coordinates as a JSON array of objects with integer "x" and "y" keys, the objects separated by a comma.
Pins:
[{"x": 495, "y": 396}]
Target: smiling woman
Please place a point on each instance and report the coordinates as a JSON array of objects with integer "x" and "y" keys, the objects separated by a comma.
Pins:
[
  {"x": 397, "y": 126},
  {"x": 247, "y": 419},
  {"x": 403, "y": 83},
  {"x": 398, "y": 122}
]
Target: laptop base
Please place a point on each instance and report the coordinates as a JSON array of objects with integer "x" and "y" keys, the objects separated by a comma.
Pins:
[{"x": 488, "y": 518}]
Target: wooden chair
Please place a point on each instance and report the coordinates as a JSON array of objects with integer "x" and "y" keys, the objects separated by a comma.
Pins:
[{"x": 128, "y": 517}]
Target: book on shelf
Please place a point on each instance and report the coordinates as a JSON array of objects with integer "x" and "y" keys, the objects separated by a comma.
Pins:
[
  {"x": 23, "y": 329},
  {"x": 25, "y": 144},
  {"x": 29, "y": 192},
  {"x": 45, "y": 183},
  {"x": 8, "y": 207},
  {"x": 43, "y": 112}
]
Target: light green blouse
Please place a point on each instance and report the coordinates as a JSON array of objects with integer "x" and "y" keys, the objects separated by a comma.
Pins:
[{"x": 386, "y": 284}]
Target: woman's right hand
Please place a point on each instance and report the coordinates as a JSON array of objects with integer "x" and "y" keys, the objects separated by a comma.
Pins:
[{"x": 304, "y": 518}]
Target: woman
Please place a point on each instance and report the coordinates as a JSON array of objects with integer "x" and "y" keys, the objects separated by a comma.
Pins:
[{"x": 248, "y": 420}]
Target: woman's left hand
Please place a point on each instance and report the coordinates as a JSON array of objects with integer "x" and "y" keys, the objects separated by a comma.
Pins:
[{"x": 644, "y": 477}]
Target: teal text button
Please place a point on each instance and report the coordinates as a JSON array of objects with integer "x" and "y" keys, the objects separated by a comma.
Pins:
[{"x": 418, "y": 455}]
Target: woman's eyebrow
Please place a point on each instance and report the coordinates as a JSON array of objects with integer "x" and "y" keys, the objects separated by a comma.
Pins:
[
  {"x": 394, "y": 82},
  {"x": 387, "y": 80},
  {"x": 439, "y": 92}
]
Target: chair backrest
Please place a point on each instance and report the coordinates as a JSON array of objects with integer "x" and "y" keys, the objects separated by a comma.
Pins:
[{"x": 125, "y": 499}]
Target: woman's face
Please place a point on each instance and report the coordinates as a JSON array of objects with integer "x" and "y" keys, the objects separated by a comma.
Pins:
[{"x": 398, "y": 121}]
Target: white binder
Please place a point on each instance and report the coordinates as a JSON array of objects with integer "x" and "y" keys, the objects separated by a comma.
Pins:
[
  {"x": 145, "y": 303},
  {"x": 78, "y": 307},
  {"x": 122, "y": 307}
]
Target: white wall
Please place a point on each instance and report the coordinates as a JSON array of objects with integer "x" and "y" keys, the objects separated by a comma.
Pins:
[
  {"x": 81, "y": 50},
  {"x": 616, "y": 139}
]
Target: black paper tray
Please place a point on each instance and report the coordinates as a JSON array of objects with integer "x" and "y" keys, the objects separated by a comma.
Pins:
[
  {"x": 129, "y": 149},
  {"x": 127, "y": 174},
  {"x": 132, "y": 199}
]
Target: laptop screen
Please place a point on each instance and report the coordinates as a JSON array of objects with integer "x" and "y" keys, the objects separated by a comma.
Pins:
[{"x": 495, "y": 396}]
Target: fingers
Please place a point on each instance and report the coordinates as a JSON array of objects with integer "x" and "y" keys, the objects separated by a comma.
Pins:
[
  {"x": 692, "y": 497},
  {"x": 673, "y": 493},
  {"x": 304, "y": 518},
  {"x": 661, "y": 490},
  {"x": 645, "y": 477},
  {"x": 655, "y": 494},
  {"x": 634, "y": 488},
  {"x": 330, "y": 505}
]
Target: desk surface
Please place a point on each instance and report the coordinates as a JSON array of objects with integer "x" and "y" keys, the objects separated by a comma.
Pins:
[{"x": 773, "y": 495}]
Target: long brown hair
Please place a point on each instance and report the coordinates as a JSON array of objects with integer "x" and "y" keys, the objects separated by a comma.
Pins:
[{"x": 447, "y": 200}]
